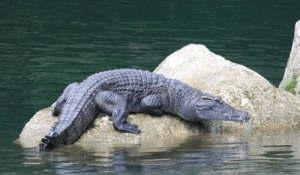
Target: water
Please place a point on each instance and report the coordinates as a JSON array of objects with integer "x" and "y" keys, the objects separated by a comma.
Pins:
[
  {"x": 45, "y": 45},
  {"x": 259, "y": 152}
]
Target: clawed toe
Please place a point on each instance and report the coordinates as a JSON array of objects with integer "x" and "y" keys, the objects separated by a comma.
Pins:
[
  {"x": 132, "y": 128},
  {"x": 129, "y": 128}
]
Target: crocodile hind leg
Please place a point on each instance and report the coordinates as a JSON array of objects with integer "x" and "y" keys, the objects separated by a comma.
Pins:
[
  {"x": 115, "y": 105},
  {"x": 60, "y": 102}
]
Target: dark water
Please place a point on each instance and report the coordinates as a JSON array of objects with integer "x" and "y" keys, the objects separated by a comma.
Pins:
[{"x": 45, "y": 45}]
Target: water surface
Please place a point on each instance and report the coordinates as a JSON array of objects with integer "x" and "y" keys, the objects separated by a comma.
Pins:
[{"x": 45, "y": 45}]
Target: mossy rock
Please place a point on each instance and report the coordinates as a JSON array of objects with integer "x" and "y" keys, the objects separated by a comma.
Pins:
[{"x": 291, "y": 83}]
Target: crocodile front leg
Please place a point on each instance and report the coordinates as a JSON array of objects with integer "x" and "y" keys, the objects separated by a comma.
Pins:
[
  {"x": 115, "y": 105},
  {"x": 60, "y": 102}
]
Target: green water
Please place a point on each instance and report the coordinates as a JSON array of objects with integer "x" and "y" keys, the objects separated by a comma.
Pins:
[{"x": 45, "y": 45}]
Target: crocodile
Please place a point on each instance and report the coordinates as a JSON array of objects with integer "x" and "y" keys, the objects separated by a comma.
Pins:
[{"x": 123, "y": 91}]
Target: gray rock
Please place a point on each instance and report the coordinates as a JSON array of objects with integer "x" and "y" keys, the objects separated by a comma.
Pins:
[{"x": 290, "y": 81}]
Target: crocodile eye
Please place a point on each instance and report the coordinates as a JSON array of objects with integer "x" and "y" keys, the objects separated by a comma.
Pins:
[
  {"x": 206, "y": 98},
  {"x": 218, "y": 99},
  {"x": 212, "y": 99}
]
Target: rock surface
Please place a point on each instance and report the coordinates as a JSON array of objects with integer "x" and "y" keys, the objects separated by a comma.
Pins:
[
  {"x": 291, "y": 79},
  {"x": 195, "y": 65}
]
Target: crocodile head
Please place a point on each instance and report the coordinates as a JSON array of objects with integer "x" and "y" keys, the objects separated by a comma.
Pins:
[{"x": 210, "y": 107}]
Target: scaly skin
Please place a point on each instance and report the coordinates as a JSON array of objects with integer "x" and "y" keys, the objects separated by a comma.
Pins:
[{"x": 119, "y": 92}]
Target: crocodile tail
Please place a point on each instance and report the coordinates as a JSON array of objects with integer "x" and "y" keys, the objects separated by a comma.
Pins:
[
  {"x": 46, "y": 144},
  {"x": 53, "y": 127}
]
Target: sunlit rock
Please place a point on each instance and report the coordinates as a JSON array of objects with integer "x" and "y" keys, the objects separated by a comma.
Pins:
[{"x": 291, "y": 79}]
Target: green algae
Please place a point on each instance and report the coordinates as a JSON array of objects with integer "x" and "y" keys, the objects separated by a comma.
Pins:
[{"x": 291, "y": 83}]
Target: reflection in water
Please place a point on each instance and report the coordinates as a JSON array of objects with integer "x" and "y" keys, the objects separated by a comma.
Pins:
[
  {"x": 278, "y": 151},
  {"x": 192, "y": 154},
  {"x": 211, "y": 153},
  {"x": 248, "y": 151}
]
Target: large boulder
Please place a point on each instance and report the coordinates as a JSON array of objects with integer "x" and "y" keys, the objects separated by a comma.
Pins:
[
  {"x": 195, "y": 65},
  {"x": 239, "y": 86},
  {"x": 290, "y": 81}
]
